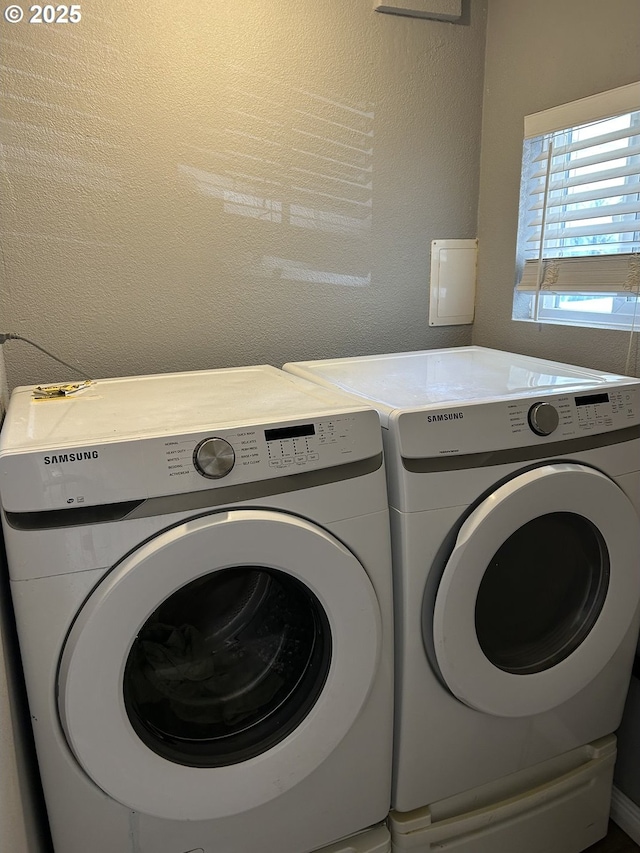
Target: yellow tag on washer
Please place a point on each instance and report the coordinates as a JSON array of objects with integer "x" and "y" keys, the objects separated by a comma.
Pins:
[{"x": 55, "y": 392}]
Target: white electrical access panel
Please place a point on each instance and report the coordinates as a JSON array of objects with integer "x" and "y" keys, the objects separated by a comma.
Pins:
[{"x": 453, "y": 282}]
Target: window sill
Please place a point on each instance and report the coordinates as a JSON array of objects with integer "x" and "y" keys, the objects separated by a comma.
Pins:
[{"x": 582, "y": 323}]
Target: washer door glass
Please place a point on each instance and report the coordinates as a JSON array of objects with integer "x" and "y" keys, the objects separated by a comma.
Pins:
[
  {"x": 229, "y": 654},
  {"x": 227, "y": 666},
  {"x": 540, "y": 589}
]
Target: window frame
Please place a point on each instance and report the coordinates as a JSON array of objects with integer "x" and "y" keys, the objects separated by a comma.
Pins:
[{"x": 531, "y": 303}]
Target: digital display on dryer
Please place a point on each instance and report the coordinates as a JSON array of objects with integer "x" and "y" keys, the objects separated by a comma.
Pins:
[
  {"x": 592, "y": 399},
  {"x": 279, "y": 433}
]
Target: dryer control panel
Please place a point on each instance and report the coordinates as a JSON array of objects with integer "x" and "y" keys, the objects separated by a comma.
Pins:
[
  {"x": 505, "y": 424},
  {"x": 577, "y": 414}
]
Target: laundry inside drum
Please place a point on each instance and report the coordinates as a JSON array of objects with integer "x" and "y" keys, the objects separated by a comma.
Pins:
[{"x": 227, "y": 666}]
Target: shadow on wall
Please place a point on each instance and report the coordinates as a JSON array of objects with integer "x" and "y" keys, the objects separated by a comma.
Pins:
[
  {"x": 292, "y": 158},
  {"x": 275, "y": 155}
]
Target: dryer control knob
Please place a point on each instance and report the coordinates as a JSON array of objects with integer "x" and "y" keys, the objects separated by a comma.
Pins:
[
  {"x": 214, "y": 458},
  {"x": 543, "y": 418}
]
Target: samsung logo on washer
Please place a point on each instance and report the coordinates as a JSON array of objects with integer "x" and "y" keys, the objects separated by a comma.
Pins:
[
  {"x": 76, "y": 456},
  {"x": 445, "y": 416}
]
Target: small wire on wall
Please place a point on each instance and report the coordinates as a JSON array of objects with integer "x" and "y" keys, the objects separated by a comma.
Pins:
[{"x": 14, "y": 336}]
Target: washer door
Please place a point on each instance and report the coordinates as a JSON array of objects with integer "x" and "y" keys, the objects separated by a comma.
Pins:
[
  {"x": 219, "y": 664},
  {"x": 541, "y": 587}
]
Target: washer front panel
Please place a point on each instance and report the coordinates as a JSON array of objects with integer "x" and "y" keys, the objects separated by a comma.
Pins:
[
  {"x": 91, "y": 701},
  {"x": 561, "y": 488}
]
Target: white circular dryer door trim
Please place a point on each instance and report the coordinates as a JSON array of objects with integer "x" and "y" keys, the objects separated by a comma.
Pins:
[
  {"x": 554, "y": 488},
  {"x": 91, "y": 703}
]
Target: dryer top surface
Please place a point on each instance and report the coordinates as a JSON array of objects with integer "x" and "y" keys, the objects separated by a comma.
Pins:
[
  {"x": 135, "y": 407},
  {"x": 461, "y": 375}
]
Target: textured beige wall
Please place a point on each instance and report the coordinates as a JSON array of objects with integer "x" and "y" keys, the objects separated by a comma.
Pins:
[
  {"x": 4, "y": 390},
  {"x": 194, "y": 185},
  {"x": 541, "y": 53}
]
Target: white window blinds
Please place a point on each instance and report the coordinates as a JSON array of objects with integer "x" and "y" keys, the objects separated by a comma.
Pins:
[{"x": 580, "y": 202}]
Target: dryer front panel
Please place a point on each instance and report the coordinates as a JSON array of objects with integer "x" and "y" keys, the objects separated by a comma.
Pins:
[
  {"x": 540, "y": 588},
  {"x": 219, "y": 664}
]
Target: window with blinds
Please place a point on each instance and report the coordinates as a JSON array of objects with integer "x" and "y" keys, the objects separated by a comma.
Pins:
[{"x": 579, "y": 229}]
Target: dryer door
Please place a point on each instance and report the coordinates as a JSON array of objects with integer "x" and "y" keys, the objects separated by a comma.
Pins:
[
  {"x": 219, "y": 664},
  {"x": 541, "y": 587}
]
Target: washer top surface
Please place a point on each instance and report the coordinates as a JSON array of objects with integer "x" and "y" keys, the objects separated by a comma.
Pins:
[
  {"x": 410, "y": 380},
  {"x": 138, "y": 437},
  {"x": 136, "y": 407}
]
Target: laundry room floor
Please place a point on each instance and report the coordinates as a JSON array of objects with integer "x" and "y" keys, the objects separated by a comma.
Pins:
[{"x": 616, "y": 841}]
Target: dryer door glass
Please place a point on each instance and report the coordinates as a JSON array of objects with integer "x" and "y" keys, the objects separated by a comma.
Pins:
[
  {"x": 227, "y": 666},
  {"x": 542, "y": 593}
]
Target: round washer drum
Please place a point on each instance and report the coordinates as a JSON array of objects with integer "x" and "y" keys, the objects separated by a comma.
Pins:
[
  {"x": 227, "y": 666},
  {"x": 168, "y": 764},
  {"x": 535, "y": 597}
]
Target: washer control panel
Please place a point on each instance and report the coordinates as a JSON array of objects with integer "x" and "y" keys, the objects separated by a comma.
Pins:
[
  {"x": 154, "y": 466},
  {"x": 259, "y": 452}
]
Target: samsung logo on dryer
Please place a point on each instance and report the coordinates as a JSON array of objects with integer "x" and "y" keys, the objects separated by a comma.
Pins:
[
  {"x": 74, "y": 456},
  {"x": 445, "y": 416}
]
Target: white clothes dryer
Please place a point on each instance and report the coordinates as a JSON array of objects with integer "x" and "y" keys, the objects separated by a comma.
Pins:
[
  {"x": 514, "y": 490},
  {"x": 201, "y": 574}
]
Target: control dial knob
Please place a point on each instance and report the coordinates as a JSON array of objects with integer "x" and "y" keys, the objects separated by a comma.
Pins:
[
  {"x": 214, "y": 458},
  {"x": 543, "y": 418}
]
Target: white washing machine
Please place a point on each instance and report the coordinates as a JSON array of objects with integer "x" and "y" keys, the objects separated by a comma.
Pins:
[
  {"x": 201, "y": 574},
  {"x": 514, "y": 490}
]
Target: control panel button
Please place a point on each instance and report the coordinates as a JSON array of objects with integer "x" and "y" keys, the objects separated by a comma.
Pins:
[
  {"x": 543, "y": 418},
  {"x": 214, "y": 458}
]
